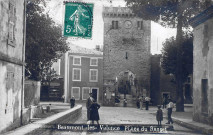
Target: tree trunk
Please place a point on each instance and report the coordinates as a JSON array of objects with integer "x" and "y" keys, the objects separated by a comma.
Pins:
[{"x": 179, "y": 72}]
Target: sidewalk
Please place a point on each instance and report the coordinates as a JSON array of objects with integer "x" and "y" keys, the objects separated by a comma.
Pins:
[{"x": 185, "y": 119}]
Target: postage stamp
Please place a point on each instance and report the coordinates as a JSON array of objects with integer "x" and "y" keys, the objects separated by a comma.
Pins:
[{"x": 78, "y": 20}]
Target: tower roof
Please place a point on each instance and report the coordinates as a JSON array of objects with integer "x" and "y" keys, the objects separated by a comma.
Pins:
[{"x": 117, "y": 12}]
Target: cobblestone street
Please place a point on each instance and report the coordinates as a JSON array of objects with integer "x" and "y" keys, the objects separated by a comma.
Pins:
[{"x": 118, "y": 115}]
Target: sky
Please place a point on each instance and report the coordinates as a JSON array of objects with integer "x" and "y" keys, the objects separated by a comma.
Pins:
[{"x": 56, "y": 11}]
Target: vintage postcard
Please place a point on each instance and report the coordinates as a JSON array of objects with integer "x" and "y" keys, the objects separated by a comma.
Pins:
[{"x": 111, "y": 67}]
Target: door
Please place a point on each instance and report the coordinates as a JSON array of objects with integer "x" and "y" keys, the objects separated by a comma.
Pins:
[
  {"x": 95, "y": 93},
  {"x": 204, "y": 96}
]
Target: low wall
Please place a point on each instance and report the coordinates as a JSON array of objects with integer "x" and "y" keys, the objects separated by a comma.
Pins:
[
  {"x": 29, "y": 113},
  {"x": 70, "y": 116},
  {"x": 31, "y": 92}
]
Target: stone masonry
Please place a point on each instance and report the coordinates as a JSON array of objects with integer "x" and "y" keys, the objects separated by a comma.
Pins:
[
  {"x": 126, "y": 46},
  {"x": 202, "y": 68},
  {"x": 11, "y": 62}
]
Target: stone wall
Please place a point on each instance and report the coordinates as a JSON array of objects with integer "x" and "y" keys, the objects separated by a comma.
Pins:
[
  {"x": 11, "y": 61},
  {"x": 126, "y": 46},
  {"x": 31, "y": 93},
  {"x": 160, "y": 82},
  {"x": 167, "y": 85},
  {"x": 202, "y": 72},
  {"x": 39, "y": 127},
  {"x": 155, "y": 90}
]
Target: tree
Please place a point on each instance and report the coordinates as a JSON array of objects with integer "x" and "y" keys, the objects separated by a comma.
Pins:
[
  {"x": 169, "y": 56},
  {"x": 172, "y": 13},
  {"x": 44, "y": 41}
]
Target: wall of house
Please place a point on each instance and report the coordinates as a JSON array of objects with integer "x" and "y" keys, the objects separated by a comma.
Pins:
[
  {"x": 203, "y": 73},
  {"x": 11, "y": 62},
  {"x": 85, "y": 71},
  {"x": 126, "y": 48}
]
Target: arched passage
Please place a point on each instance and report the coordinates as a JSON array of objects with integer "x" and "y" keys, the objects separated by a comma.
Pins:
[{"x": 126, "y": 83}]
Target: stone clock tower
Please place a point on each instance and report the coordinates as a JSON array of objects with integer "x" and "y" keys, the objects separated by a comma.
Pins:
[{"x": 126, "y": 54}]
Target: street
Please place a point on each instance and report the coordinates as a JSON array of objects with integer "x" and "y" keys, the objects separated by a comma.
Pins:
[{"x": 118, "y": 115}]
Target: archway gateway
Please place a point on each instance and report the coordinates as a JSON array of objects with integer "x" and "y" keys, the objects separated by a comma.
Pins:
[{"x": 126, "y": 83}]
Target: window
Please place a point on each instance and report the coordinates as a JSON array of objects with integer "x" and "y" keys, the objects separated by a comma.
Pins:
[
  {"x": 140, "y": 25},
  {"x": 93, "y": 75},
  {"x": 76, "y": 92},
  {"x": 114, "y": 24},
  {"x": 77, "y": 61},
  {"x": 85, "y": 92},
  {"x": 76, "y": 74},
  {"x": 11, "y": 32},
  {"x": 93, "y": 62},
  {"x": 11, "y": 26}
]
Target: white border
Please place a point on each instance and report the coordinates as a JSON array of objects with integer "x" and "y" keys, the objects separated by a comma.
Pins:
[
  {"x": 90, "y": 75},
  {"x": 73, "y": 74},
  {"x": 76, "y": 57},
  {"x": 78, "y": 92},
  {"x": 97, "y": 92},
  {"x": 83, "y": 88},
  {"x": 96, "y": 61}
]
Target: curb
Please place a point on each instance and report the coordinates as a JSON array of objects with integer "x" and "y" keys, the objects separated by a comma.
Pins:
[
  {"x": 193, "y": 127},
  {"x": 41, "y": 123},
  {"x": 202, "y": 130}
]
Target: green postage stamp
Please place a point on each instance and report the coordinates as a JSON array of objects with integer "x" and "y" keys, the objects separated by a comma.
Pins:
[{"x": 78, "y": 19}]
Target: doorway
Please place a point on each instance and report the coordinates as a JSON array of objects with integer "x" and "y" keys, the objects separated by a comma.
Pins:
[
  {"x": 165, "y": 95},
  {"x": 204, "y": 96},
  {"x": 95, "y": 93}
]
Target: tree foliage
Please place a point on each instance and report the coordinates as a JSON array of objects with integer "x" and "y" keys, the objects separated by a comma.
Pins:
[
  {"x": 166, "y": 12},
  {"x": 172, "y": 13},
  {"x": 169, "y": 56},
  {"x": 44, "y": 41}
]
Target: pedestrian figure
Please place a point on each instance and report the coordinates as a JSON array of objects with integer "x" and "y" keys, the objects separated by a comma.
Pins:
[
  {"x": 169, "y": 108},
  {"x": 147, "y": 99},
  {"x": 72, "y": 102},
  {"x": 125, "y": 102},
  {"x": 88, "y": 104},
  {"x": 48, "y": 108},
  {"x": 94, "y": 115},
  {"x": 159, "y": 115},
  {"x": 141, "y": 103},
  {"x": 117, "y": 99},
  {"x": 138, "y": 102},
  {"x": 62, "y": 97}
]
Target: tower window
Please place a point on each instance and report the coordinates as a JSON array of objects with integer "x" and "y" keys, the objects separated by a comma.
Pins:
[
  {"x": 126, "y": 55},
  {"x": 114, "y": 24},
  {"x": 140, "y": 25},
  {"x": 12, "y": 20}
]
